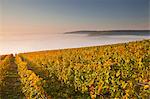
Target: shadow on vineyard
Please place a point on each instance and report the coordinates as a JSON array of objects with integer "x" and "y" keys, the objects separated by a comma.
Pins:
[
  {"x": 54, "y": 87},
  {"x": 11, "y": 85}
]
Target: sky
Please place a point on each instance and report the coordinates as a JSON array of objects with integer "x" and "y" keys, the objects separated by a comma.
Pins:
[
  {"x": 58, "y": 16},
  {"x": 33, "y": 25}
]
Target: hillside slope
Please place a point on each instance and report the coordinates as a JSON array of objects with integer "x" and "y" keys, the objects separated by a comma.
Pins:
[
  {"x": 110, "y": 71},
  {"x": 119, "y": 70}
]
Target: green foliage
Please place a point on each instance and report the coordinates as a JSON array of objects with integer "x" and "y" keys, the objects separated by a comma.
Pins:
[
  {"x": 100, "y": 72},
  {"x": 32, "y": 84},
  {"x": 9, "y": 81},
  {"x": 4, "y": 66},
  {"x": 113, "y": 71}
]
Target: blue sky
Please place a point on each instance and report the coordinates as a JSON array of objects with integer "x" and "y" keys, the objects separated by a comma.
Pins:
[{"x": 53, "y": 16}]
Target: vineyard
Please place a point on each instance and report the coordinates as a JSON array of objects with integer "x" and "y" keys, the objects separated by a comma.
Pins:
[{"x": 119, "y": 71}]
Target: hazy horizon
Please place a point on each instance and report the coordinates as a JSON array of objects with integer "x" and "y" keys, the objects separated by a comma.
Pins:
[
  {"x": 28, "y": 25},
  {"x": 38, "y": 42}
]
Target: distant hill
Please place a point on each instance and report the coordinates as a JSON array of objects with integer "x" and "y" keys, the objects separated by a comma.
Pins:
[{"x": 111, "y": 32}]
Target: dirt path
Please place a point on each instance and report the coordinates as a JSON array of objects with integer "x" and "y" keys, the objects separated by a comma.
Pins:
[{"x": 11, "y": 85}]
